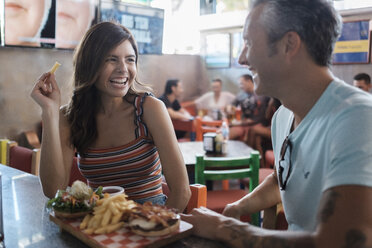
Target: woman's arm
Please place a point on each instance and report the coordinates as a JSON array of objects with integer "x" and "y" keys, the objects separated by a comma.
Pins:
[
  {"x": 56, "y": 151},
  {"x": 174, "y": 169}
]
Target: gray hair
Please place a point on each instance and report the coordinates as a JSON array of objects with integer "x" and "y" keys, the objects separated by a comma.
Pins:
[{"x": 315, "y": 21}]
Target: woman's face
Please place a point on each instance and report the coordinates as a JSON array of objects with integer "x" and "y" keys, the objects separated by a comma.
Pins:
[
  {"x": 119, "y": 71},
  {"x": 23, "y": 18},
  {"x": 73, "y": 18}
]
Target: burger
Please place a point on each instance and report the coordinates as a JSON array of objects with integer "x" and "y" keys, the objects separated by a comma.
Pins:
[
  {"x": 76, "y": 201},
  {"x": 153, "y": 220}
]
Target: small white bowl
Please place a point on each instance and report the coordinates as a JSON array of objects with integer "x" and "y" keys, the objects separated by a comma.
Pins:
[{"x": 113, "y": 190}]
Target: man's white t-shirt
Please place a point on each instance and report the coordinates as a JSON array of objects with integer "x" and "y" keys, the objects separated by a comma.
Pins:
[
  {"x": 332, "y": 146},
  {"x": 208, "y": 102}
]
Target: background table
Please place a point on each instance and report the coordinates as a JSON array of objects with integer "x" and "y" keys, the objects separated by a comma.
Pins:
[
  {"x": 189, "y": 151},
  {"x": 26, "y": 220}
]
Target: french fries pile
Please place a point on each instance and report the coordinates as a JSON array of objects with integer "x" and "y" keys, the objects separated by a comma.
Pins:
[{"x": 107, "y": 215}]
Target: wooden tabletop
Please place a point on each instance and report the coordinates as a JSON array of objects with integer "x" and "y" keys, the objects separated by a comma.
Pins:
[
  {"x": 26, "y": 219},
  {"x": 189, "y": 150}
]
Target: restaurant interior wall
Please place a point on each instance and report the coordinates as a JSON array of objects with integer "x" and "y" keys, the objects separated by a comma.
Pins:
[
  {"x": 21, "y": 67},
  {"x": 345, "y": 72}
]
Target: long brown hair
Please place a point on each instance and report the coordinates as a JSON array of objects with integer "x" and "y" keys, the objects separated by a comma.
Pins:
[{"x": 88, "y": 62}]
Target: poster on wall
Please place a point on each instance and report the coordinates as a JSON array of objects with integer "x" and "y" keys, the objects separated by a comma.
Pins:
[
  {"x": 145, "y": 23},
  {"x": 353, "y": 46},
  {"x": 217, "y": 48},
  {"x": 47, "y": 23}
]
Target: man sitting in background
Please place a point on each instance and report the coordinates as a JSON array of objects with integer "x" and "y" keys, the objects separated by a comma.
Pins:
[
  {"x": 252, "y": 108},
  {"x": 173, "y": 90},
  {"x": 214, "y": 101},
  {"x": 362, "y": 81}
]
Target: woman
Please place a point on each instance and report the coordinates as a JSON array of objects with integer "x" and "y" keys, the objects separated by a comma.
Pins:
[{"x": 118, "y": 131}]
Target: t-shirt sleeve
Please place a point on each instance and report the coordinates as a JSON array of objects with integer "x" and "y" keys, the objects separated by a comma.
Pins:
[
  {"x": 202, "y": 101},
  {"x": 176, "y": 105},
  {"x": 350, "y": 149}
]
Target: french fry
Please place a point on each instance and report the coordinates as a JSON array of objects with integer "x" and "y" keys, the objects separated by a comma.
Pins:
[
  {"x": 114, "y": 227},
  {"x": 114, "y": 208},
  {"x": 55, "y": 67},
  {"x": 106, "y": 218},
  {"x": 107, "y": 215},
  {"x": 89, "y": 231},
  {"x": 116, "y": 218},
  {"x": 85, "y": 221}
]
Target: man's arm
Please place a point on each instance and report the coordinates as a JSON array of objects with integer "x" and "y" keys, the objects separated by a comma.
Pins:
[
  {"x": 178, "y": 115},
  {"x": 344, "y": 220},
  {"x": 263, "y": 196}
]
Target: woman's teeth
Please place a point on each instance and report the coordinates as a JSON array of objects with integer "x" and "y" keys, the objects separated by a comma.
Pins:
[{"x": 119, "y": 81}]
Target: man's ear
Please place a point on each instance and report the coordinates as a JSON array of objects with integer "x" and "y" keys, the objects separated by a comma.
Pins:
[{"x": 292, "y": 43}]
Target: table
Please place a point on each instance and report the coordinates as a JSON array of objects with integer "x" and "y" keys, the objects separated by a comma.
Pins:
[
  {"x": 26, "y": 220},
  {"x": 189, "y": 150}
]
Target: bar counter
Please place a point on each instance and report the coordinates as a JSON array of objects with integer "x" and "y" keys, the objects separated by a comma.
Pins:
[{"x": 26, "y": 219}]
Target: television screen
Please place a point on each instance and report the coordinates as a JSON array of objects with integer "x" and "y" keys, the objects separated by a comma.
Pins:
[
  {"x": 24, "y": 22},
  {"x": 73, "y": 19},
  {"x": 47, "y": 23},
  {"x": 145, "y": 23}
]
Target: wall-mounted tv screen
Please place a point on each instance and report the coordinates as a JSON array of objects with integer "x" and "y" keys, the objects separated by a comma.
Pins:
[
  {"x": 145, "y": 23},
  {"x": 73, "y": 19},
  {"x": 47, "y": 23}
]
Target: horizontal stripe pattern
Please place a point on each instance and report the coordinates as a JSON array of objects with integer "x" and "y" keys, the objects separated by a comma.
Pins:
[{"x": 135, "y": 166}]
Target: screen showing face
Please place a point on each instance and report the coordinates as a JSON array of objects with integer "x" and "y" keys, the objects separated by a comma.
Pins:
[
  {"x": 47, "y": 23},
  {"x": 24, "y": 21},
  {"x": 73, "y": 19}
]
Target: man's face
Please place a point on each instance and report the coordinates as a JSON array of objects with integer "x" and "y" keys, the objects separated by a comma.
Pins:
[
  {"x": 216, "y": 87},
  {"x": 246, "y": 85},
  {"x": 361, "y": 84},
  {"x": 263, "y": 63}
]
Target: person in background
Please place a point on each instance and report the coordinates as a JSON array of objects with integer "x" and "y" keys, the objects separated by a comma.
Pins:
[
  {"x": 214, "y": 101},
  {"x": 362, "y": 81},
  {"x": 252, "y": 108},
  {"x": 260, "y": 134},
  {"x": 73, "y": 19},
  {"x": 173, "y": 90},
  {"x": 122, "y": 135},
  {"x": 321, "y": 136},
  {"x": 24, "y": 21}
]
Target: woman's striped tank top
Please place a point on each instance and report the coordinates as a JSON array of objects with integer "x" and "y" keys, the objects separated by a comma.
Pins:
[{"x": 134, "y": 166}]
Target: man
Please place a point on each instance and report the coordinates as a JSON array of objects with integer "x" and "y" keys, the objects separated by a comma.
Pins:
[
  {"x": 362, "y": 81},
  {"x": 321, "y": 137},
  {"x": 216, "y": 100},
  {"x": 252, "y": 108},
  {"x": 173, "y": 90}
]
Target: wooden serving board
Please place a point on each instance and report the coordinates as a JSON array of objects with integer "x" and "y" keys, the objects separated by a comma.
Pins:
[{"x": 122, "y": 238}]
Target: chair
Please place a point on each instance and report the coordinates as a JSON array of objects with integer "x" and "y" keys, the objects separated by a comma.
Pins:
[
  {"x": 75, "y": 173},
  {"x": 218, "y": 168},
  {"x": 29, "y": 139},
  {"x": 3, "y": 152},
  {"x": 22, "y": 158},
  {"x": 198, "y": 196},
  {"x": 202, "y": 127},
  {"x": 190, "y": 107},
  {"x": 188, "y": 126}
]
